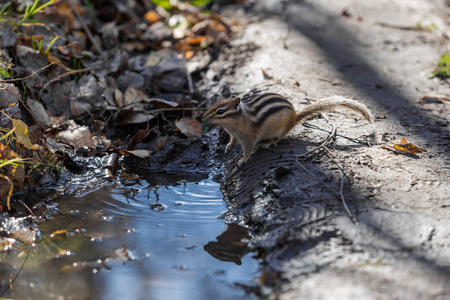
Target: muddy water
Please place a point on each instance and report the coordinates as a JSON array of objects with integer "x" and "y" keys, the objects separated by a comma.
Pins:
[{"x": 137, "y": 242}]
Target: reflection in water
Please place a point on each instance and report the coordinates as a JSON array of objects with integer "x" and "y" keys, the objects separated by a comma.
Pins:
[
  {"x": 231, "y": 245},
  {"x": 166, "y": 244}
]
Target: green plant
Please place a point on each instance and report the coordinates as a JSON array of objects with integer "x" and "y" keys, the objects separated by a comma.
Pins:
[
  {"x": 4, "y": 8},
  {"x": 168, "y": 4},
  {"x": 443, "y": 68},
  {"x": 33, "y": 9},
  {"x": 35, "y": 45},
  {"x": 38, "y": 47},
  {"x": 8, "y": 15},
  {"x": 50, "y": 45},
  {"x": 428, "y": 28},
  {"x": 5, "y": 68},
  {"x": 3, "y": 137}
]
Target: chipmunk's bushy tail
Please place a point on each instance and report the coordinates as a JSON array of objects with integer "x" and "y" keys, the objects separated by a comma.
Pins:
[{"x": 334, "y": 102}]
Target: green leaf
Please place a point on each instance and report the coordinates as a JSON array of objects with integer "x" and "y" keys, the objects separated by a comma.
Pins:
[
  {"x": 200, "y": 2},
  {"x": 50, "y": 45},
  {"x": 163, "y": 3},
  {"x": 43, "y": 6},
  {"x": 11, "y": 162}
]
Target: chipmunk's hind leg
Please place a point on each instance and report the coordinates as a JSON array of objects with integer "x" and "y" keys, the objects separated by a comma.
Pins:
[{"x": 271, "y": 142}]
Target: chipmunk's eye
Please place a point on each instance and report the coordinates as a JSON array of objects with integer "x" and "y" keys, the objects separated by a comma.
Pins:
[{"x": 220, "y": 111}]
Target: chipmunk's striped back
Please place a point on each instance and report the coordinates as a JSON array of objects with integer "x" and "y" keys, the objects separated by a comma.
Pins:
[{"x": 264, "y": 106}]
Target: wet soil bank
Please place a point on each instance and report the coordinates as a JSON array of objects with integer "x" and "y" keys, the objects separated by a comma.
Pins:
[{"x": 394, "y": 242}]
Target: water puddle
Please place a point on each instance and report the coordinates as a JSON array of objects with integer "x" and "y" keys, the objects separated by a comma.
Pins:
[{"x": 136, "y": 242}]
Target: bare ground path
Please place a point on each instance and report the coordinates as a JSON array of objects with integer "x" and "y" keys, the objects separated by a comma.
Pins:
[{"x": 398, "y": 246}]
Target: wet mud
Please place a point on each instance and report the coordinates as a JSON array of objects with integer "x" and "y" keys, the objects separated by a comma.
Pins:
[{"x": 350, "y": 220}]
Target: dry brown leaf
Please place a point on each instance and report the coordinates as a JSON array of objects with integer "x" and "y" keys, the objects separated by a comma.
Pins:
[
  {"x": 76, "y": 135},
  {"x": 133, "y": 95},
  {"x": 22, "y": 133},
  {"x": 142, "y": 133},
  {"x": 189, "y": 127},
  {"x": 408, "y": 148}
]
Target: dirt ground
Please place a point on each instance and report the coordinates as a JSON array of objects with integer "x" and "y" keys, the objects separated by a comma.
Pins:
[{"x": 397, "y": 245}]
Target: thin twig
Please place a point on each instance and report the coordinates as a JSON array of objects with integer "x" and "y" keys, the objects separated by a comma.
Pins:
[
  {"x": 31, "y": 75},
  {"x": 46, "y": 27},
  {"x": 59, "y": 77},
  {"x": 15, "y": 277},
  {"x": 11, "y": 287},
  {"x": 86, "y": 29},
  {"x": 23, "y": 103},
  {"x": 341, "y": 193},
  {"x": 318, "y": 179},
  {"x": 8, "y": 198},
  {"x": 354, "y": 140},
  {"x": 29, "y": 210},
  {"x": 324, "y": 143}
]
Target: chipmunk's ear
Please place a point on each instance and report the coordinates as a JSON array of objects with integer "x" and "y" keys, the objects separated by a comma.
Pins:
[{"x": 236, "y": 102}]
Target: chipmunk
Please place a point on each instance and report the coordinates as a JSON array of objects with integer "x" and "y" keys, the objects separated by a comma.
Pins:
[{"x": 269, "y": 117}]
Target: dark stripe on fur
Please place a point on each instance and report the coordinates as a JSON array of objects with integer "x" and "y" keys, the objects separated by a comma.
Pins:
[
  {"x": 271, "y": 111},
  {"x": 253, "y": 101},
  {"x": 271, "y": 100}
]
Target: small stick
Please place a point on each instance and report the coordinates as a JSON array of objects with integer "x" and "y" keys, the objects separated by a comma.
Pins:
[
  {"x": 318, "y": 179},
  {"x": 354, "y": 140},
  {"x": 11, "y": 287},
  {"x": 325, "y": 141},
  {"x": 46, "y": 27},
  {"x": 59, "y": 77},
  {"x": 29, "y": 210},
  {"x": 341, "y": 193},
  {"x": 11, "y": 188},
  {"x": 31, "y": 75},
  {"x": 15, "y": 277},
  {"x": 88, "y": 32}
]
